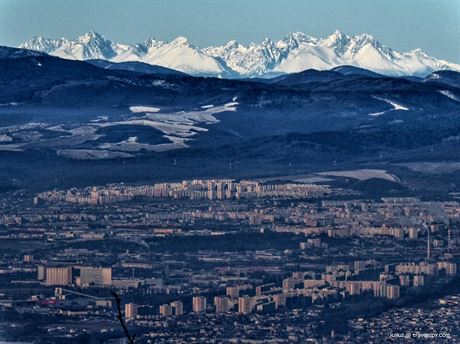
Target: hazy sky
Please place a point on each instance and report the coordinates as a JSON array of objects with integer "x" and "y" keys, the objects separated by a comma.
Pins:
[{"x": 433, "y": 26}]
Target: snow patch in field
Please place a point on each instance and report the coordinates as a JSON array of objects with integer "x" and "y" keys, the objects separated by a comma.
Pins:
[
  {"x": 181, "y": 130},
  {"x": 100, "y": 119},
  {"x": 177, "y": 140},
  {"x": 377, "y": 114},
  {"x": 181, "y": 124},
  {"x": 396, "y": 106},
  {"x": 362, "y": 174},
  {"x": 131, "y": 145},
  {"x": 13, "y": 147},
  {"x": 91, "y": 154},
  {"x": 5, "y": 138},
  {"x": 137, "y": 109}
]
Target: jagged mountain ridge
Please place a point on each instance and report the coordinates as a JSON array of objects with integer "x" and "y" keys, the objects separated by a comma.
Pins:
[{"x": 294, "y": 53}]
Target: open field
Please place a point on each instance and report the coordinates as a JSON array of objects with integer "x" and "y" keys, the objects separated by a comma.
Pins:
[{"x": 363, "y": 174}]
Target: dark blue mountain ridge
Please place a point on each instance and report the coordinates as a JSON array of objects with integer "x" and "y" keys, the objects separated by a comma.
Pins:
[
  {"x": 306, "y": 77},
  {"x": 310, "y": 100},
  {"x": 12, "y": 53},
  {"x": 51, "y": 81},
  {"x": 446, "y": 77},
  {"x": 135, "y": 66},
  {"x": 305, "y": 119},
  {"x": 352, "y": 70}
]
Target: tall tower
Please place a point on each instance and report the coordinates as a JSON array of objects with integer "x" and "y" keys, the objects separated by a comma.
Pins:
[
  {"x": 428, "y": 244},
  {"x": 450, "y": 240},
  {"x": 199, "y": 304},
  {"x": 130, "y": 311}
]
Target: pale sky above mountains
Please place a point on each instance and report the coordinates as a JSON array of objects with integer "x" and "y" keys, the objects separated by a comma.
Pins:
[{"x": 432, "y": 25}]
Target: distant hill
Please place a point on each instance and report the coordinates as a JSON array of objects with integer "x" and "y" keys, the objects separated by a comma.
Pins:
[
  {"x": 96, "y": 124},
  {"x": 133, "y": 66},
  {"x": 13, "y": 53},
  {"x": 444, "y": 77},
  {"x": 351, "y": 70}
]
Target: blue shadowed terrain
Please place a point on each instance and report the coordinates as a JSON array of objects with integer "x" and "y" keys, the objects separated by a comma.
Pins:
[{"x": 153, "y": 124}]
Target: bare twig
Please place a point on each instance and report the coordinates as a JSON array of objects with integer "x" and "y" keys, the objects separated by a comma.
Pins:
[{"x": 120, "y": 318}]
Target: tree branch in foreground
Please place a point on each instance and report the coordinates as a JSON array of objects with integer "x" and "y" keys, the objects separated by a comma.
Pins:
[{"x": 120, "y": 318}]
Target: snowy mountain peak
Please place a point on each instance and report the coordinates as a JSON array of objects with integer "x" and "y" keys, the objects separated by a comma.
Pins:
[
  {"x": 362, "y": 40},
  {"x": 91, "y": 36},
  {"x": 419, "y": 52},
  {"x": 294, "y": 53},
  {"x": 299, "y": 37},
  {"x": 231, "y": 44},
  {"x": 39, "y": 40},
  {"x": 338, "y": 41},
  {"x": 151, "y": 42},
  {"x": 180, "y": 41},
  {"x": 337, "y": 36},
  {"x": 40, "y": 43},
  {"x": 338, "y": 33},
  {"x": 294, "y": 39}
]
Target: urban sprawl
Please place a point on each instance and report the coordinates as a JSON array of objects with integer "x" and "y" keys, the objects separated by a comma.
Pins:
[{"x": 227, "y": 261}]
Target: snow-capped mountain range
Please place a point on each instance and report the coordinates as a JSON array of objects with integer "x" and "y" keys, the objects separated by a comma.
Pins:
[{"x": 294, "y": 53}]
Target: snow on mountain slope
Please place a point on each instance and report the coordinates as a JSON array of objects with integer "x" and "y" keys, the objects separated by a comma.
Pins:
[
  {"x": 308, "y": 57},
  {"x": 253, "y": 60},
  {"x": 450, "y": 95},
  {"x": 91, "y": 45},
  {"x": 294, "y": 53},
  {"x": 182, "y": 55},
  {"x": 45, "y": 44}
]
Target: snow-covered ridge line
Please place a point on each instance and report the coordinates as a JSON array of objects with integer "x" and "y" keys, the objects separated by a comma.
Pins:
[{"x": 294, "y": 53}]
